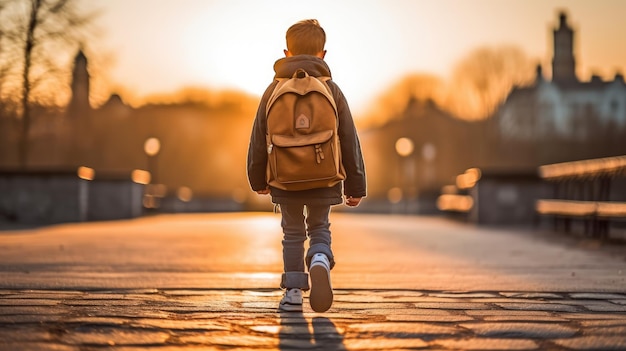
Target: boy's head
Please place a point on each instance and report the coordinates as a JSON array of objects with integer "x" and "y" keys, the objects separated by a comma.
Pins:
[{"x": 306, "y": 37}]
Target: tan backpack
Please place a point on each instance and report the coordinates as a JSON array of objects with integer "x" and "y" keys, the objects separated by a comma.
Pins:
[{"x": 302, "y": 142}]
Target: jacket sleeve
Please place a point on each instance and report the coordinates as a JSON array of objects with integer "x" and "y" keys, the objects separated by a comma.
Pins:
[
  {"x": 257, "y": 149},
  {"x": 352, "y": 158}
]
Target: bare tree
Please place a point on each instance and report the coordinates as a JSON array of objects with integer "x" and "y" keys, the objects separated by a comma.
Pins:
[
  {"x": 392, "y": 103},
  {"x": 484, "y": 78},
  {"x": 4, "y": 67},
  {"x": 36, "y": 32},
  {"x": 480, "y": 82}
]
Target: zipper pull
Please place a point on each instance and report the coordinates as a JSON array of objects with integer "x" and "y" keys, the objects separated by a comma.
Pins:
[
  {"x": 319, "y": 154},
  {"x": 270, "y": 148}
]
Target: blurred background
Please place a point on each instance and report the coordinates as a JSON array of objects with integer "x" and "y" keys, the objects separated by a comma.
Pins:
[{"x": 114, "y": 109}]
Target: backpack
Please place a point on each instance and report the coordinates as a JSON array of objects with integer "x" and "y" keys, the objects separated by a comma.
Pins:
[{"x": 302, "y": 142}]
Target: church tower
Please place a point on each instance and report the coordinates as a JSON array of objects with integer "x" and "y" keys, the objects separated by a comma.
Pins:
[
  {"x": 563, "y": 63},
  {"x": 79, "y": 104}
]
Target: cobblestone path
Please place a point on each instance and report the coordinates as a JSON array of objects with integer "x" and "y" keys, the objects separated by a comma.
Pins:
[{"x": 223, "y": 319}]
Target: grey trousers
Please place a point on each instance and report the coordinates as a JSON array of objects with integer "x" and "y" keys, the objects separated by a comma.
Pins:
[{"x": 299, "y": 222}]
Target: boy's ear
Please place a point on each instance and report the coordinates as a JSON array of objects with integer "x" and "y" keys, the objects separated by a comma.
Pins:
[{"x": 287, "y": 53}]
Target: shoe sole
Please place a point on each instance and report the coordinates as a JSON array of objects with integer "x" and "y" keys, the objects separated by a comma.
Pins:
[
  {"x": 290, "y": 308},
  {"x": 321, "y": 297}
]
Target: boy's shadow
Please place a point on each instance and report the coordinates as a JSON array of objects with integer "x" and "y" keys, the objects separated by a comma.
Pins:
[{"x": 296, "y": 334}]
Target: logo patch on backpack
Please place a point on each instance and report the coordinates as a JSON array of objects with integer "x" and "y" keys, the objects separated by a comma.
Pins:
[
  {"x": 303, "y": 122},
  {"x": 302, "y": 140}
]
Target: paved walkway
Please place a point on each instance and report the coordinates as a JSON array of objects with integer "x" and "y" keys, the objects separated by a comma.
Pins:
[
  {"x": 208, "y": 282},
  {"x": 359, "y": 320}
]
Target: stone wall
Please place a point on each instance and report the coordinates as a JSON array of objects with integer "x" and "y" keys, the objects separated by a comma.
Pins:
[
  {"x": 42, "y": 197},
  {"x": 45, "y": 197}
]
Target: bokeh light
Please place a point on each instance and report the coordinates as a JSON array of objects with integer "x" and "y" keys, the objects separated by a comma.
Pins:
[{"x": 404, "y": 147}]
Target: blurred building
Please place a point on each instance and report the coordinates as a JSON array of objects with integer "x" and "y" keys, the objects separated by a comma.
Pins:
[
  {"x": 202, "y": 144},
  {"x": 564, "y": 107},
  {"x": 79, "y": 105},
  {"x": 410, "y": 158},
  {"x": 557, "y": 120}
]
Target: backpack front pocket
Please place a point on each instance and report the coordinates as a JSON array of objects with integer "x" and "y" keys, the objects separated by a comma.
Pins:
[{"x": 303, "y": 158}]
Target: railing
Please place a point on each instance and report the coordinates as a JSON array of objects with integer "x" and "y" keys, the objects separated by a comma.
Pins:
[{"x": 582, "y": 191}]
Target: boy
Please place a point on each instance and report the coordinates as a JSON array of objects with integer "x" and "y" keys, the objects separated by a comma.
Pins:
[{"x": 305, "y": 213}]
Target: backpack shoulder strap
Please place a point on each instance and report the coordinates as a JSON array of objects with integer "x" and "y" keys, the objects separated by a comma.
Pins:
[
  {"x": 275, "y": 93},
  {"x": 325, "y": 79}
]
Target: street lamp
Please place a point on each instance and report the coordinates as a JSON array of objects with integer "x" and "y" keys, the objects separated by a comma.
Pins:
[
  {"x": 429, "y": 153},
  {"x": 404, "y": 148},
  {"x": 151, "y": 147}
]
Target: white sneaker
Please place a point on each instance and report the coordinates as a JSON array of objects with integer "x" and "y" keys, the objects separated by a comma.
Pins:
[
  {"x": 321, "y": 297},
  {"x": 291, "y": 301}
]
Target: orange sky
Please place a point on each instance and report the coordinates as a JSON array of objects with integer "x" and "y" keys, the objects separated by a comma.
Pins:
[{"x": 162, "y": 46}]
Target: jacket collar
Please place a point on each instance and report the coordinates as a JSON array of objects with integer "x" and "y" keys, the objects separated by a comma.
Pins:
[{"x": 313, "y": 65}]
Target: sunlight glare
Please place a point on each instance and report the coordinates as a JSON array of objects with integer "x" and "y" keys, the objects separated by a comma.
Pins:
[
  {"x": 140, "y": 176},
  {"x": 460, "y": 203},
  {"x": 86, "y": 173},
  {"x": 260, "y": 276},
  {"x": 264, "y": 224},
  {"x": 235, "y": 51}
]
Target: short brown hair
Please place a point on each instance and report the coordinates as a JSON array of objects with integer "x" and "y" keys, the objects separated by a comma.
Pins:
[{"x": 306, "y": 37}]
